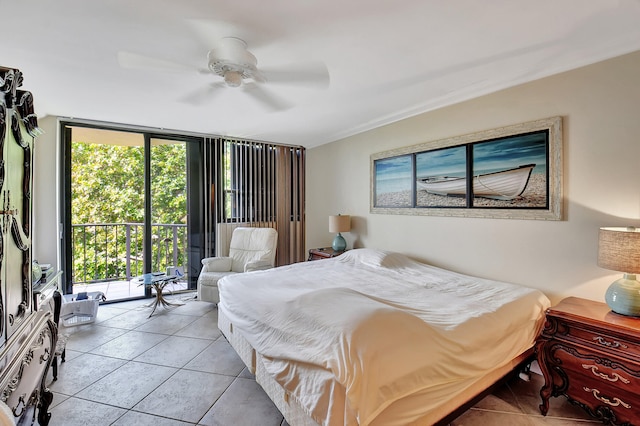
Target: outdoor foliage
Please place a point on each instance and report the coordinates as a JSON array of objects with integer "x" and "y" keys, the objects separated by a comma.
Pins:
[{"x": 108, "y": 208}]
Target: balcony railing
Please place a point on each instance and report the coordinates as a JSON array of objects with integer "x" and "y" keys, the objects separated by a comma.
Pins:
[{"x": 113, "y": 251}]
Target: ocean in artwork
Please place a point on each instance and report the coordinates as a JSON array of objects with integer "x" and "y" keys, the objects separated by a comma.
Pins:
[{"x": 393, "y": 174}]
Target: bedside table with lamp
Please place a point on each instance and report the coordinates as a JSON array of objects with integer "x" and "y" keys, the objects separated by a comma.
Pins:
[
  {"x": 338, "y": 223},
  {"x": 590, "y": 351},
  {"x": 323, "y": 253}
]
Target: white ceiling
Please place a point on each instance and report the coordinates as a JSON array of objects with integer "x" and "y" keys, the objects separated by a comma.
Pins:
[{"x": 387, "y": 60}]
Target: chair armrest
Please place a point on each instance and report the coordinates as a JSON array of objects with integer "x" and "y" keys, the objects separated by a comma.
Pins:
[
  {"x": 258, "y": 265},
  {"x": 216, "y": 264}
]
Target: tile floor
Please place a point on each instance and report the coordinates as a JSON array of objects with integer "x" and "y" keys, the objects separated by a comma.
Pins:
[{"x": 175, "y": 368}]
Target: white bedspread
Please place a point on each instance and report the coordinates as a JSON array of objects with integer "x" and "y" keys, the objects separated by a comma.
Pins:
[{"x": 381, "y": 325}]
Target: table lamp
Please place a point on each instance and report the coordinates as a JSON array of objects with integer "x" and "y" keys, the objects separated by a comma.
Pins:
[
  {"x": 619, "y": 250},
  {"x": 339, "y": 224}
]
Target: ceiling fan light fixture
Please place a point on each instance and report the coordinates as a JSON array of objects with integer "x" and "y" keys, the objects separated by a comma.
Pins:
[{"x": 233, "y": 78}]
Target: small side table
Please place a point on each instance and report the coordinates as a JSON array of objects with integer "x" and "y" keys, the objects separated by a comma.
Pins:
[
  {"x": 158, "y": 282},
  {"x": 323, "y": 253}
]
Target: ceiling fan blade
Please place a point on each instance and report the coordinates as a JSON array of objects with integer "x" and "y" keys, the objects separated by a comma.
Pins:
[
  {"x": 266, "y": 98},
  {"x": 136, "y": 61},
  {"x": 313, "y": 74},
  {"x": 203, "y": 95}
]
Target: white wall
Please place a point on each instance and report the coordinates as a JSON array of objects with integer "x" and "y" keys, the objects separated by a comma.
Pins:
[
  {"x": 600, "y": 106},
  {"x": 45, "y": 204}
]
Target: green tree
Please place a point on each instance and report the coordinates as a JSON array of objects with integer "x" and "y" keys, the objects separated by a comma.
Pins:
[
  {"x": 108, "y": 185},
  {"x": 108, "y": 188},
  {"x": 168, "y": 184}
]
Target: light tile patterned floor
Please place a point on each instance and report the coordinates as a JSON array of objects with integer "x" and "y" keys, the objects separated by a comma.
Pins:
[{"x": 175, "y": 368}]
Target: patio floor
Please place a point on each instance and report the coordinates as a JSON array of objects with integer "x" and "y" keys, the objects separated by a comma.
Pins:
[{"x": 121, "y": 290}]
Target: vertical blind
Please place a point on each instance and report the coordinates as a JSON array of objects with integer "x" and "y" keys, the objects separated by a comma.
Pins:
[{"x": 254, "y": 184}]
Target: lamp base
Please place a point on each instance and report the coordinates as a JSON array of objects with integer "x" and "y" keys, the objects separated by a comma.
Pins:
[
  {"x": 339, "y": 244},
  {"x": 623, "y": 296}
]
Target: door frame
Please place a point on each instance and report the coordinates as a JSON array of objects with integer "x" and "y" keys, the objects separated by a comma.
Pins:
[{"x": 193, "y": 145}]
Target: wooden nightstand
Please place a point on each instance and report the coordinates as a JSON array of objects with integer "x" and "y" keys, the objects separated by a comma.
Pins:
[
  {"x": 592, "y": 356},
  {"x": 323, "y": 253}
]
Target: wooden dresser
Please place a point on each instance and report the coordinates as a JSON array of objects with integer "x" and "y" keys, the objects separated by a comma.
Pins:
[
  {"x": 592, "y": 356},
  {"x": 28, "y": 334}
]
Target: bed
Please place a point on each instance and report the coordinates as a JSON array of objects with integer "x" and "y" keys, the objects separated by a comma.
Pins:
[{"x": 375, "y": 338}]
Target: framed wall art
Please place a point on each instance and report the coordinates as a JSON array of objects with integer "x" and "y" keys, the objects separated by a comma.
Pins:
[{"x": 511, "y": 172}]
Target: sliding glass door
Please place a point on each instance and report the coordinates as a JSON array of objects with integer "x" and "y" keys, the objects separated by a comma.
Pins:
[
  {"x": 127, "y": 209},
  {"x": 168, "y": 215}
]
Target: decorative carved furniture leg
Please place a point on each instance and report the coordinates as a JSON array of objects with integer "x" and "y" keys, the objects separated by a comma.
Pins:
[
  {"x": 43, "y": 408},
  {"x": 545, "y": 391}
]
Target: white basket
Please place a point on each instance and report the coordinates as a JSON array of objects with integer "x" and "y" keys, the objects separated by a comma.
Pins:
[{"x": 79, "y": 312}]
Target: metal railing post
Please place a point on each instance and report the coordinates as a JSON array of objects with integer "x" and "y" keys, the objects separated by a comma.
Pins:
[
  {"x": 128, "y": 251},
  {"x": 175, "y": 245}
]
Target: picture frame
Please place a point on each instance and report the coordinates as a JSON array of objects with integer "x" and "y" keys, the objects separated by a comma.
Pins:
[{"x": 512, "y": 172}]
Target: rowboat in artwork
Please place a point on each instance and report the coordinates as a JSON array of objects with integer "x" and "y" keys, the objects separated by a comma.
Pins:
[{"x": 501, "y": 185}]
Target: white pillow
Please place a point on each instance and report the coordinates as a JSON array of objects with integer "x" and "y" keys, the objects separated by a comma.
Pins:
[{"x": 376, "y": 258}]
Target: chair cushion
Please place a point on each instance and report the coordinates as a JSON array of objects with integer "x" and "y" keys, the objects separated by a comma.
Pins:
[
  {"x": 208, "y": 285},
  {"x": 252, "y": 244},
  {"x": 217, "y": 264},
  {"x": 258, "y": 265},
  {"x": 211, "y": 278},
  {"x": 61, "y": 343}
]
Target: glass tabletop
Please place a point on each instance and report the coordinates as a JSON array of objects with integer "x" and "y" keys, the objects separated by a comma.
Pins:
[{"x": 155, "y": 277}]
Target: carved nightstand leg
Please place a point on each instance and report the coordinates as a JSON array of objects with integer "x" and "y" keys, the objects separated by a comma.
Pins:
[
  {"x": 546, "y": 390},
  {"x": 545, "y": 393}
]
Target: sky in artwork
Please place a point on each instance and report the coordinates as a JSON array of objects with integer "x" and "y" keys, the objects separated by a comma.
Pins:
[
  {"x": 442, "y": 162},
  {"x": 511, "y": 152},
  {"x": 395, "y": 174}
]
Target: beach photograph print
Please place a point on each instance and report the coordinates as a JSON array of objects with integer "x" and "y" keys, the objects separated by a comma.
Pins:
[
  {"x": 392, "y": 182},
  {"x": 441, "y": 177},
  {"x": 511, "y": 172}
]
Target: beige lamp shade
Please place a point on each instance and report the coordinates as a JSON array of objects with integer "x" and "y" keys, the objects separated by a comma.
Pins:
[
  {"x": 619, "y": 249},
  {"x": 340, "y": 223}
]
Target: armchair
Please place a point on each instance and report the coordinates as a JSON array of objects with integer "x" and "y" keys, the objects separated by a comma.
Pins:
[{"x": 251, "y": 249}]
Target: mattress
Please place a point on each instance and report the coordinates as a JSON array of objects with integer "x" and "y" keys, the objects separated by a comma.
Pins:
[
  {"x": 352, "y": 337},
  {"x": 406, "y": 411}
]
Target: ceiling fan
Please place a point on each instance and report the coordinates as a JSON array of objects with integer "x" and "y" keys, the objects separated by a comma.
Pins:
[{"x": 237, "y": 66}]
